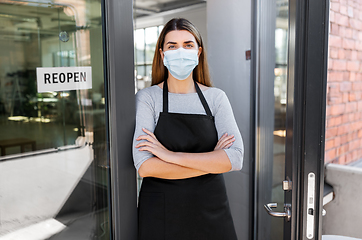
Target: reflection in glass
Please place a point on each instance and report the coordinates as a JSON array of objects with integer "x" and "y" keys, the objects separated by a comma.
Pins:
[
  {"x": 53, "y": 163},
  {"x": 280, "y": 100}
]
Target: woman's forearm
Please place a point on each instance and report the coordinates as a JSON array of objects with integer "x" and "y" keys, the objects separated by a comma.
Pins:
[
  {"x": 216, "y": 161},
  {"x": 211, "y": 162},
  {"x": 154, "y": 167}
]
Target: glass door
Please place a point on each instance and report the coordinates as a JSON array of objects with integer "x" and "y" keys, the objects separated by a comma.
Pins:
[
  {"x": 271, "y": 112},
  {"x": 54, "y": 166},
  {"x": 292, "y": 64}
]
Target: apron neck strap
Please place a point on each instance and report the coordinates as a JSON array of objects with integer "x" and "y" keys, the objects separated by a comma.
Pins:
[
  {"x": 198, "y": 90},
  {"x": 165, "y": 96}
]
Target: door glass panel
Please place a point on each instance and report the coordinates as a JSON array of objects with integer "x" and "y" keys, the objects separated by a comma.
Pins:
[
  {"x": 280, "y": 100},
  {"x": 53, "y": 165},
  {"x": 271, "y": 118}
]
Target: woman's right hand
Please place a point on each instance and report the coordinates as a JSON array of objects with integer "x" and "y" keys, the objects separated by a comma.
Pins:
[{"x": 225, "y": 142}]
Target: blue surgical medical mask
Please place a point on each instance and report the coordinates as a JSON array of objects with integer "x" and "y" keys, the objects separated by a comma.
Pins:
[{"x": 181, "y": 62}]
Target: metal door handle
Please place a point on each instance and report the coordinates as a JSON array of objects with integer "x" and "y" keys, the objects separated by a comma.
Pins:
[{"x": 287, "y": 214}]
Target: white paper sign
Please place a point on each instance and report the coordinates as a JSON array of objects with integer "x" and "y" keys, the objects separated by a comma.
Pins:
[{"x": 55, "y": 79}]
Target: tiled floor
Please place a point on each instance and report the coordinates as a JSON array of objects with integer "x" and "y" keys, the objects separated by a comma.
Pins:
[
  {"x": 90, "y": 226},
  {"x": 37, "y": 231}
]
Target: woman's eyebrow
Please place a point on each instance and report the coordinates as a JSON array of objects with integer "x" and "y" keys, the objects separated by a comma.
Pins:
[{"x": 190, "y": 41}]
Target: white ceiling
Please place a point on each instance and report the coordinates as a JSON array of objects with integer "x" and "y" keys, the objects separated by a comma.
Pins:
[{"x": 149, "y": 7}]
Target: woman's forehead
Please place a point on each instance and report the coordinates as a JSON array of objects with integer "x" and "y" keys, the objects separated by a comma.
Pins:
[{"x": 179, "y": 36}]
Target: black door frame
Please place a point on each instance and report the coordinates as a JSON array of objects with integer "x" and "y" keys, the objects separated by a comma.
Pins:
[{"x": 306, "y": 107}]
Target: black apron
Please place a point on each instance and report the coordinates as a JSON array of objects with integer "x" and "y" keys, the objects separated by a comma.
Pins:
[{"x": 195, "y": 208}]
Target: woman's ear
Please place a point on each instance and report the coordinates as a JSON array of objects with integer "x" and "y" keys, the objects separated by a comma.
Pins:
[
  {"x": 200, "y": 51},
  {"x": 161, "y": 53}
]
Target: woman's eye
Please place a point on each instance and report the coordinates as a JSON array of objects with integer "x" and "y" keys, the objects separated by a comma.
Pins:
[
  {"x": 189, "y": 45},
  {"x": 171, "y": 47}
]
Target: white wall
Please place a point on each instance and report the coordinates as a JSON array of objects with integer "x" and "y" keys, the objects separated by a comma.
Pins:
[
  {"x": 343, "y": 215},
  {"x": 229, "y": 36}
]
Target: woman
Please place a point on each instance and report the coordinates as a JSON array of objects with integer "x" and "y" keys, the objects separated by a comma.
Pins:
[{"x": 185, "y": 137}]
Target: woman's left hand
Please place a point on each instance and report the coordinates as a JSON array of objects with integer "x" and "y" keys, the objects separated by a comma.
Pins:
[
  {"x": 153, "y": 145},
  {"x": 225, "y": 142}
]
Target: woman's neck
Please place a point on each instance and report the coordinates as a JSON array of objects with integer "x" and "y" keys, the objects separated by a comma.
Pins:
[{"x": 181, "y": 86}]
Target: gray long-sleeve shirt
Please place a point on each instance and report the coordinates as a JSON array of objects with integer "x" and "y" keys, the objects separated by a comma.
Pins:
[{"x": 149, "y": 105}]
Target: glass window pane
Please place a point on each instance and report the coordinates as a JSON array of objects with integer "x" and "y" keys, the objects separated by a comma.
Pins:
[
  {"x": 148, "y": 72},
  {"x": 140, "y": 70},
  {"x": 53, "y": 164},
  {"x": 150, "y": 40},
  {"x": 160, "y": 29},
  {"x": 280, "y": 89},
  {"x": 139, "y": 46}
]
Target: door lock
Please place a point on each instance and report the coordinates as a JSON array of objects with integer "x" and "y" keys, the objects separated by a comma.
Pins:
[
  {"x": 286, "y": 214},
  {"x": 287, "y": 185},
  {"x": 311, "y": 205}
]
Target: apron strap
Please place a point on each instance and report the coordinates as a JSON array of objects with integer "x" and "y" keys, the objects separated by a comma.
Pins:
[
  {"x": 198, "y": 90},
  {"x": 203, "y": 100},
  {"x": 165, "y": 96}
]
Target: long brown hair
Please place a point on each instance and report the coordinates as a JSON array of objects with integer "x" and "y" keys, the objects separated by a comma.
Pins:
[{"x": 159, "y": 71}]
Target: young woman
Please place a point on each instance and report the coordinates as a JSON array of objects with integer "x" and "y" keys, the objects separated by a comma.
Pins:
[{"x": 185, "y": 138}]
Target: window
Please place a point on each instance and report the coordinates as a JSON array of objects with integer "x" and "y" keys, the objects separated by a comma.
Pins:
[{"x": 144, "y": 47}]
